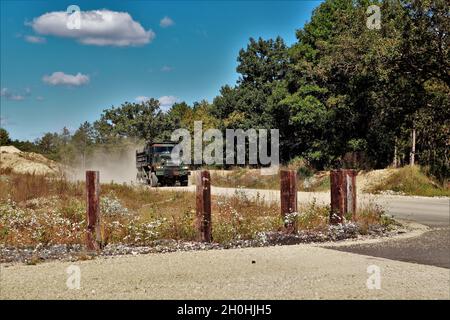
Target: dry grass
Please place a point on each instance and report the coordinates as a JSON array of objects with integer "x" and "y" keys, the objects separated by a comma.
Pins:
[
  {"x": 372, "y": 214},
  {"x": 313, "y": 217},
  {"x": 241, "y": 218},
  {"x": 23, "y": 187},
  {"x": 252, "y": 178},
  {"x": 410, "y": 181},
  {"x": 38, "y": 210},
  {"x": 35, "y": 209}
]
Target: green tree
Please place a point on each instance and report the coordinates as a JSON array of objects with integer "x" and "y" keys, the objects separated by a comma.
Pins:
[
  {"x": 262, "y": 61},
  {"x": 49, "y": 145},
  {"x": 4, "y": 137},
  {"x": 131, "y": 120},
  {"x": 262, "y": 65}
]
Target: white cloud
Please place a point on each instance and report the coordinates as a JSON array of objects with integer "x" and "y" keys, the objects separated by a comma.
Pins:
[
  {"x": 166, "y": 22},
  {"x": 97, "y": 27},
  {"x": 166, "y": 69},
  {"x": 39, "y": 98},
  {"x": 167, "y": 101},
  {"x": 61, "y": 78},
  {"x": 35, "y": 39},
  {"x": 9, "y": 95},
  {"x": 142, "y": 98}
]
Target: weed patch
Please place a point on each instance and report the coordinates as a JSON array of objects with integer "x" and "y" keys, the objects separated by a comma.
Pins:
[{"x": 410, "y": 181}]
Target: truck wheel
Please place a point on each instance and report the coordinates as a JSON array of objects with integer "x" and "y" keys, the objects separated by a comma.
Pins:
[{"x": 153, "y": 180}]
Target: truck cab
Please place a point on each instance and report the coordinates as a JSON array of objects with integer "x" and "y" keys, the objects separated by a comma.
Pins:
[{"x": 155, "y": 165}]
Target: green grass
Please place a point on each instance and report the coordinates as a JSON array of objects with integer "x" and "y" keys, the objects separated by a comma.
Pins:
[{"x": 411, "y": 181}]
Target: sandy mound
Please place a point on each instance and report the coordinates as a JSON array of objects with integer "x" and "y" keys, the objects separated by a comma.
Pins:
[
  {"x": 367, "y": 180},
  {"x": 17, "y": 161},
  {"x": 9, "y": 149}
]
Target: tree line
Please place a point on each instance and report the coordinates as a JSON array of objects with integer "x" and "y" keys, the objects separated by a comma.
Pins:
[{"x": 343, "y": 95}]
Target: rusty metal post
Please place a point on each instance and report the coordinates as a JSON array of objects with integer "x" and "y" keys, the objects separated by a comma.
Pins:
[
  {"x": 93, "y": 234},
  {"x": 203, "y": 202},
  {"x": 343, "y": 194},
  {"x": 288, "y": 194}
]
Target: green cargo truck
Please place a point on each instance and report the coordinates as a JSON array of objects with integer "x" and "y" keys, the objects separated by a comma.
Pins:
[{"x": 155, "y": 166}]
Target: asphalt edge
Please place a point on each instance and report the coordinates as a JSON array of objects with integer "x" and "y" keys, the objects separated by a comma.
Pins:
[{"x": 413, "y": 229}]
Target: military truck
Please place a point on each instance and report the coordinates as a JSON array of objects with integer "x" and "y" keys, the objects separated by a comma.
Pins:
[{"x": 155, "y": 165}]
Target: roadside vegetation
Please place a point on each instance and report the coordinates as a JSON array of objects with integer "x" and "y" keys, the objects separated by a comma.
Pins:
[
  {"x": 252, "y": 178},
  {"x": 40, "y": 211},
  {"x": 410, "y": 181},
  {"x": 308, "y": 179}
]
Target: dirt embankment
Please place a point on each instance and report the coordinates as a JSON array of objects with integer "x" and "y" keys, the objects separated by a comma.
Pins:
[
  {"x": 14, "y": 160},
  {"x": 365, "y": 181}
]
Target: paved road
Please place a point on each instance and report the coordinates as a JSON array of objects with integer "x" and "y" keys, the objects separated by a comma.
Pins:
[
  {"x": 283, "y": 272},
  {"x": 431, "y": 248},
  {"x": 434, "y": 212}
]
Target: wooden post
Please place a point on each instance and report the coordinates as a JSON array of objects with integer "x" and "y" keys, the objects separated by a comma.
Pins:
[
  {"x": 343, "y": 194},
  {"x": 288, "y": 194},
  {"x": 93, "y": 234},
  {"x": 203, "y": 202}
]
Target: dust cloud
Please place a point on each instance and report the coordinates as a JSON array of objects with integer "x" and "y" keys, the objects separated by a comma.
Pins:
[{"x": 115, "y": 164}]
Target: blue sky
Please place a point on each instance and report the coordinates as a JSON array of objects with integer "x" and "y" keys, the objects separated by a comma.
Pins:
[{"x": 53, "y": 77}]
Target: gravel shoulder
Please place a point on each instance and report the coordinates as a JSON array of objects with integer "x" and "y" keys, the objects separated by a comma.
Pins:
[{"x": 284, "y": 272}]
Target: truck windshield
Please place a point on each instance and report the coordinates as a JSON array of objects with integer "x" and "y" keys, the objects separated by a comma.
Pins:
[{"x": 162, "y": 149}]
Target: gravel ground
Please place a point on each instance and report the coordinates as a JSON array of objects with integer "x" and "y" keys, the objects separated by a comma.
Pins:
[
  {"x": 38, "y": 254},
  {"x": 282, "y": 272}
]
